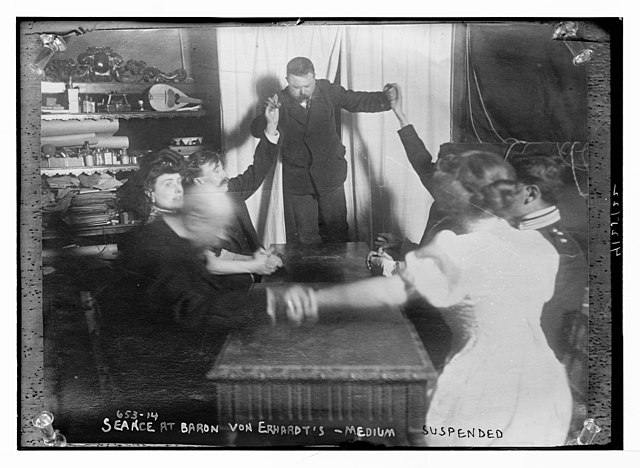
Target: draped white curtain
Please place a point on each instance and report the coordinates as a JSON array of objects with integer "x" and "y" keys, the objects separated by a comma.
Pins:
[
  {"x": 383, "y": 192},
  {"x": 253, "y": 63}
]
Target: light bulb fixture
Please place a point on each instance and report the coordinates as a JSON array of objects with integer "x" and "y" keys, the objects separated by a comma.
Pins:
[
  {"x": 567, "y": 31},
  {"x": 50, "y": 437},
  {"x": 51, "y": 44},
  {"x": 581, "y": 57}
]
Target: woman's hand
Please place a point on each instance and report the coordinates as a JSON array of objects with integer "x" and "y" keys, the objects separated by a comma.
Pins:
[
  {"x": 211, "y": 260},
  {"x": 381, "y": 263},
  {"x": 301, "y": 304},
  {"x": 265, "y": 262},
  {"x": 274, "y": 261}
]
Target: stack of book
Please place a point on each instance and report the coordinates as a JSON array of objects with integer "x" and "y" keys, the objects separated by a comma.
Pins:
[{"x": 92, "y": 207}]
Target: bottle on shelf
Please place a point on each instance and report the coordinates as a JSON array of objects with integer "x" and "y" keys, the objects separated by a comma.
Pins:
[
  {"x": 87, "y": 155},
  {"x": 107, "y": 156},
  {"x": 73, "y": 97},
  {"x": 85, "y": 105},
  {"x": 124, "y": 157},
  {"x": 98, "y": 157}
]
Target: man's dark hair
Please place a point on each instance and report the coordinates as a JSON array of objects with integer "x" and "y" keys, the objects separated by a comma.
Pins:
[
  {"x": 196, "y": 160},
  {"x": 540, "y": 170},
  {"x": 300, "y": 66}
]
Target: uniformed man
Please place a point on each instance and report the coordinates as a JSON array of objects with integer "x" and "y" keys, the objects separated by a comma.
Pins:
[{"x": 535, "y": 206}]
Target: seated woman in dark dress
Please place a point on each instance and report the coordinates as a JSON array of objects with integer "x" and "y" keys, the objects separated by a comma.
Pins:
[{"x": 177, "y": 313}]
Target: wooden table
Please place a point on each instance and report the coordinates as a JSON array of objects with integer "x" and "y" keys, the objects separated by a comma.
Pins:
[{"x": 354, "y": 376}]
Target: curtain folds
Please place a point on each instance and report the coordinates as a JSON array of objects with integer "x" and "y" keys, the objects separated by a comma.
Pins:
[{"x": 383, "y": 192}]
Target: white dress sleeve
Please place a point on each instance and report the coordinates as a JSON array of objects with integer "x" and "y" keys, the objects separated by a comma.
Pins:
[{"x": 435, "y": 271}]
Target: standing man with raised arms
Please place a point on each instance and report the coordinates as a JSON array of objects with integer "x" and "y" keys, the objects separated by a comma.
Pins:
[{"x": 313, "y": 164}]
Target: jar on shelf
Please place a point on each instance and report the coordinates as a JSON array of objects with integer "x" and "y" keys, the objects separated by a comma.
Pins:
[{"x": 124, "y": 157}]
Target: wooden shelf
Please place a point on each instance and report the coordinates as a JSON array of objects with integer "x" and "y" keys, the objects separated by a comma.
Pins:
[
  {"x": 49, "y": 87},
  {"x": 126, "y": 115},
  {"x": 60, "y": 171}
]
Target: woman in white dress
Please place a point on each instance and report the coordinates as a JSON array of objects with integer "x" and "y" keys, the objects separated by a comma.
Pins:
[{"x": 502, "y": 385}]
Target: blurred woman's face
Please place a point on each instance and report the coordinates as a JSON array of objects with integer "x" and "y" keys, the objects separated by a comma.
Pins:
[
  {"x": 207, "y": 215},
  {"x": 167, "y": 192}
]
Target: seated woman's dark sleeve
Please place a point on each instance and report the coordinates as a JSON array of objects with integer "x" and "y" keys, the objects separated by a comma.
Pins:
[
  {"x": 194, "y": 299},
  {"x": 178, "y": 289}
]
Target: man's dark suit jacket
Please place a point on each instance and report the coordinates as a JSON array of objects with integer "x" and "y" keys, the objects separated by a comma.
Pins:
[
  {"x": 570, "y": 287},
  {"x": 312, "y": 152},
  {"x": 244, "y": 237}
]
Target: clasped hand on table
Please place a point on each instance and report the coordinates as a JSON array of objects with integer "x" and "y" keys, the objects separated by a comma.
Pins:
[
  {"x": 296, "y": 304},
  {"x": 379, "y": 262},
  {"x": 266, "y": 262},
  {"x": 262, "y": 262}
]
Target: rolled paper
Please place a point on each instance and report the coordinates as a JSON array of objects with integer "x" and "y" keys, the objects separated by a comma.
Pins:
[
  {"x": 70, "y": 140},
  {"x": 101, "y": 251},
  {"x": 76, "y": 127},
  {"x": 104, "y": 141}
]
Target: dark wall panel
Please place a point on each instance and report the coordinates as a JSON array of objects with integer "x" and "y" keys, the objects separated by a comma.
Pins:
[{"x": 522, "y": 85}]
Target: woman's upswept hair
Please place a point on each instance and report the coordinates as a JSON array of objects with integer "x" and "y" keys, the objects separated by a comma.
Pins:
[
  {"x": 154, "y": 165},
  {"x": 133, "y": 195},
  {"x": 196, "y": 160},
  {"x": 489, "y": 179}
]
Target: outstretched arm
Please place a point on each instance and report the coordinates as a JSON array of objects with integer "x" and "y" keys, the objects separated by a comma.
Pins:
[
  {"x": 370, "y": 294},
  {"x": 265, "y": 155},
  {"x": 360, "y": 101},
  {"x": 419, "y": 157},
  {"x": 301, "y": 304}
]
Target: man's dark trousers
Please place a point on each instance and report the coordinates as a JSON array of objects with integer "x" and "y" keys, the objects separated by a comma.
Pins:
[{"x": 316, "y": 218}]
